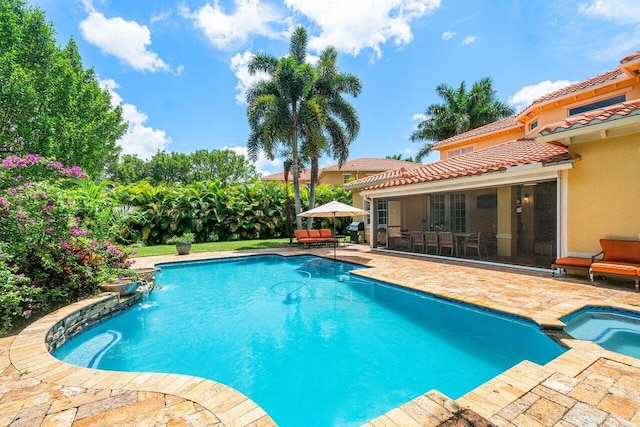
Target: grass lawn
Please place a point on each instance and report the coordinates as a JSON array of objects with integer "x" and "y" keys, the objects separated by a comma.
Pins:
[{"x": 210, "y": 247}]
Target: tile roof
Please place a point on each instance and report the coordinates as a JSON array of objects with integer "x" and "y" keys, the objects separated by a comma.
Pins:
[
  {"x": 361, "y": 165},
  {"x": 576, "y": 87},
  {"x": 304, "y": 174},
  {"x": 501, "y": 124},
  {"x": 630, "y": 57},
  {"x": 610, "y": 113},
  {"x": 371, "y": 165},
  {"x": 379, "y": 177},
  {"x": 491, "y": 159}
]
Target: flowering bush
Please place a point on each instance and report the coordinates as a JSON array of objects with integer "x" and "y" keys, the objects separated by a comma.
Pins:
[
  {"x": 49, "y": 257},
  {"x": 16, "y": 170},
  {"x": 16, "y": 296}
]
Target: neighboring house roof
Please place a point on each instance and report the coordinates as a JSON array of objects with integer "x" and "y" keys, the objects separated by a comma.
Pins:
[
  {"x": 607, "y": 114},
  {"x": 491, "y": 159},
  {"x": 501, "y": 124},
  {"x": 355, "y": 165},
  {"x": 370, "y": 165},
  {"x": 586, "y": 84},
  {"x": 305, "y": 174}
]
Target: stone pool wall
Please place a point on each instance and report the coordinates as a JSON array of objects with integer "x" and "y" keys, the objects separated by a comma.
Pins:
[{"x": 88, "y": 316}]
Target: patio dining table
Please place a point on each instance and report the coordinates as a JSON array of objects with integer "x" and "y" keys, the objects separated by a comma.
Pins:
[{"x": 459, "y": 238}]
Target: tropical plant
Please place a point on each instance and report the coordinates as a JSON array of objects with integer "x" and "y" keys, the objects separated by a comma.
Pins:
[
  {"x": 184, "y": 237},
  {"x": 460, "y": 112},
  {"x": 280, "y": 107}
]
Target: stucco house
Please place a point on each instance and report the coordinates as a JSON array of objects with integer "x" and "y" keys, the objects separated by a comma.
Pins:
[{"x": 549, "y": 181}]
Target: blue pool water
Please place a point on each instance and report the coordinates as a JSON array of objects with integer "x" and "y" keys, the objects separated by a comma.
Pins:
[
  {"x": 615, "y": 330},
  {"x": 310, "y": 343}
]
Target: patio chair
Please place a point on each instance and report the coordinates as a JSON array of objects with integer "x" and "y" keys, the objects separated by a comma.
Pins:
[
  {"x": 417, "y": 238},
  {"x": 431, "y": 241},
  {"x": 446, "y": 242},
  {"x": 405, "y": 240},
  {"x": 475, "y": 241}
]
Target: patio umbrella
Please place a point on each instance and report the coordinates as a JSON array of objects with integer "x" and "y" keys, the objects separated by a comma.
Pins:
[{"x": 332, "y": 210}]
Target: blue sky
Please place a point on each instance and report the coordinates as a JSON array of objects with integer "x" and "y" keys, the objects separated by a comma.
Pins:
[{"x": 179, "y": 66}]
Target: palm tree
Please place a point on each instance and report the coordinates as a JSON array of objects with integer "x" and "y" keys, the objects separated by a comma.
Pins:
[
  {"x": 460, "y": 112},
  {"x": 341, "y": 123},
  {"x": 280, "y": 107},
  {"x": 399, "y": 157}
]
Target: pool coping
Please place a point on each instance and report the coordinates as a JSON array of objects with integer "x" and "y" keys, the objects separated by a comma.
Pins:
[{"x": 29, "y": 355}]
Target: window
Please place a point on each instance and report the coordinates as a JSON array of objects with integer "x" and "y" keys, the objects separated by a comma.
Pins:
[
  {"x": 366, "y": 205},
  {"x": 533, "y": 125},
  {"x": 437, "y": 217},
  {"x": 598, "y": 104},
  {"x": 464, "y": 150},
  {"x": 346, "y": 178},
  {"x": 383, "y": 212},
  {"x": 458, "y": 213}
]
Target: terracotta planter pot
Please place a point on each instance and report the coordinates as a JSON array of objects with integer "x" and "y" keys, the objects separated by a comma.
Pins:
[
  {"x": 184, "y": 248},
  {"x": 122, "y": 287}
]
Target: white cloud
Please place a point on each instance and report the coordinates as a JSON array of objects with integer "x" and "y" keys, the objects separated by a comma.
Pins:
[
  {"x": 126, "y": 40},
  {"x": 525, "y": 96},
  {"x": 239, "y": 66},
  {"x": 620, "y": 11},
  {"x": 159, "y": 17},
  {"x": 230, "y": 31},
  {"x": 419, "y": 117},
  {"x": 355, "y": 25},
  {"x": 448, "y": 35},
  {"x": 469, "y": 40},
  {"x": 141, "y": 140},
  {"x": 263, "y": 165}
]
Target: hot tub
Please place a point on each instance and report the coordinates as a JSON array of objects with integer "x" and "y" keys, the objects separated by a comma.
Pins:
[{"x": 613, "y": 329}]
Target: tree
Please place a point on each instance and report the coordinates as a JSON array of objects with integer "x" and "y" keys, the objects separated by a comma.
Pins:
[
  {"x": 399, "y": 157},
  {"x": 49, "y": 104},
  {"x": 280, "y": 107},
  {"x": 460, "y": 112},
  {"x": 341, "y": 123},
  {"x": 224, "y": 165}
]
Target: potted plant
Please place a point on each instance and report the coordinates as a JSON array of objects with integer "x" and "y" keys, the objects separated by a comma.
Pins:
[{"x": 183, "y": 242}]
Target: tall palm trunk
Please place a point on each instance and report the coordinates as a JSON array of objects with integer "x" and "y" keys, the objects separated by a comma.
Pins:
[
  {"x": 312, "y": 187},
  {"x": 295, "y": 169}
]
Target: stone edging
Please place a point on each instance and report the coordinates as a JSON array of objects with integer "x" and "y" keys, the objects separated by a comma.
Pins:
[{"x": 30, "y": 355}]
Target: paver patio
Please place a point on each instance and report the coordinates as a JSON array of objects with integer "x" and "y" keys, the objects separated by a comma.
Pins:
[{"x": 587, "y": 385}]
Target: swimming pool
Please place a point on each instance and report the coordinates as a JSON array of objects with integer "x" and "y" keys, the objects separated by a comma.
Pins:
[
  {"x": 615, "y": 330},
  {"x": 310, "y": 343}
]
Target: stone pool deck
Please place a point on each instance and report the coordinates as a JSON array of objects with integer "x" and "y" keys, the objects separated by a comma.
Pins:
[{"x": 586, "y": 386}]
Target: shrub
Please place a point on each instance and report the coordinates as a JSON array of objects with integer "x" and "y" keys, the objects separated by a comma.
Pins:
[{"x": 45, "y": 244}]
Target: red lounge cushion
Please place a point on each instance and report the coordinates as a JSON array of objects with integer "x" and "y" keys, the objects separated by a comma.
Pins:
[
  {"x": 301, "y": 234},
  {"x": 571, "y": 261},
  {"x": 325, "y": 232},
  {"x": 621, "y": 250},
  {"x": 611, "y": 267},
  {"x": 314, "y": 234}
]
